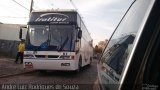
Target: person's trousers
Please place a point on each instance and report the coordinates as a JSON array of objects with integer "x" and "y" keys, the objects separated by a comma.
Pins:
[{"x": 19, "y": 54}]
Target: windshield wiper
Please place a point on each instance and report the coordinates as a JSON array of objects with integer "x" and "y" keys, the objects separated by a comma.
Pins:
[
  {"x": 43, "y": 45},
  {"x": 64, "y": 43}
]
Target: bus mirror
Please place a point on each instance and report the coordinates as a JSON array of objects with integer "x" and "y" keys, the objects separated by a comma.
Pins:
[
  {"x": 20, "y": 34},
  {"x": 79, "y": 34}
]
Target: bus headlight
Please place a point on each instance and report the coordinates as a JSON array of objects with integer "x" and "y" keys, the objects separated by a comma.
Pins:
[{"x": 70, "y": 57}]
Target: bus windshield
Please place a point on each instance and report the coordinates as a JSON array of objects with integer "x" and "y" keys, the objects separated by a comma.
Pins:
[{"x": 51, "y": 37}]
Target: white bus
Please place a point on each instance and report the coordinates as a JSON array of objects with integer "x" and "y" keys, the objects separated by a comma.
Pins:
[{"x": 57, "y": 40}]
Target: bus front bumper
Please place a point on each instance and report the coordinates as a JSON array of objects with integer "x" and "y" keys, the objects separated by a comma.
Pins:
[{"x": 45, "y": 64}]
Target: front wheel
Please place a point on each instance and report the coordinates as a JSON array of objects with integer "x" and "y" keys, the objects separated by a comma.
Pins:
[
  {"x": 79, "y": 65},
  {"x": 42, "y": 71}
]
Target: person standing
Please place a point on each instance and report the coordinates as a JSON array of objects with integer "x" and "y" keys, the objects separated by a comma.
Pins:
[{"x": 21, "y": 48}]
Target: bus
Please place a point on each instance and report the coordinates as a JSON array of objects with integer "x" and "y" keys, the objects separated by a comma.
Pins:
[{"x": 57, "y": 40}]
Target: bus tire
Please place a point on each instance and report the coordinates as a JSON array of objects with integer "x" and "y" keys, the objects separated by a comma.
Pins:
[
  {"x": 42, "y": 71},
  {"x": 79, "y": 65}
]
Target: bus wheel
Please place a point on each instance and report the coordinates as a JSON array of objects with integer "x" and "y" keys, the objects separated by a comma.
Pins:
[
  {"x": 42, "y": 71},
  {"x": 79, "y": 65}
]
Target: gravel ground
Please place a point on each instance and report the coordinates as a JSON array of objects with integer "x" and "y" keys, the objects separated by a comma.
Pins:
[
  {"x": 8, "y": 67},
  {"x": 84, "y": 80}
]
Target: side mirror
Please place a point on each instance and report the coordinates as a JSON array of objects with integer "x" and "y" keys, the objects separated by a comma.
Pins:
[
  {"x": 20, "y": 33},
  {"x": 80, "y": 34}
]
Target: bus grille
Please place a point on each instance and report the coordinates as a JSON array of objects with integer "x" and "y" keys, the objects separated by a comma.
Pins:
[{"x": 48, "y": 56}]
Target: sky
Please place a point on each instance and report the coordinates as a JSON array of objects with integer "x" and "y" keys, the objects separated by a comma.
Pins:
[{"x": 100, "y": 16}]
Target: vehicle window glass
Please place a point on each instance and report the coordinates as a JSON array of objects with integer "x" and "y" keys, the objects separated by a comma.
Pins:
[
  {"x": 120, "y": 53},
  {"x": 63, "y": 36},
  {"x": 53, "y": 36},
  {"x": 38, "y": 34},
  {"x": 121, "y": 43}
]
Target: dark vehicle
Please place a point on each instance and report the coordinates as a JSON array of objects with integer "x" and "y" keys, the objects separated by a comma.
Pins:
[{"x": 131, "y": 60}]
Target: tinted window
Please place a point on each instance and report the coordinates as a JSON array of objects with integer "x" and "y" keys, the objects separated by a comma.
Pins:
[
  {"x": 121, "y": 43},
  {"x": 119, "y": 53}
]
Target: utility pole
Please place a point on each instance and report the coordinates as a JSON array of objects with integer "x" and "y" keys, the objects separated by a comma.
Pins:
[
  {"x": 31, "y": 8},
  {"x": 73, "y": 5}
]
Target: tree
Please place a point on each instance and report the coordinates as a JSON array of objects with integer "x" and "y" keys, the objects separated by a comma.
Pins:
[
  {"x": 96, "y": 49},
  {"x": 102, "y": 44},
  {"x": 100, "y": 47}
]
